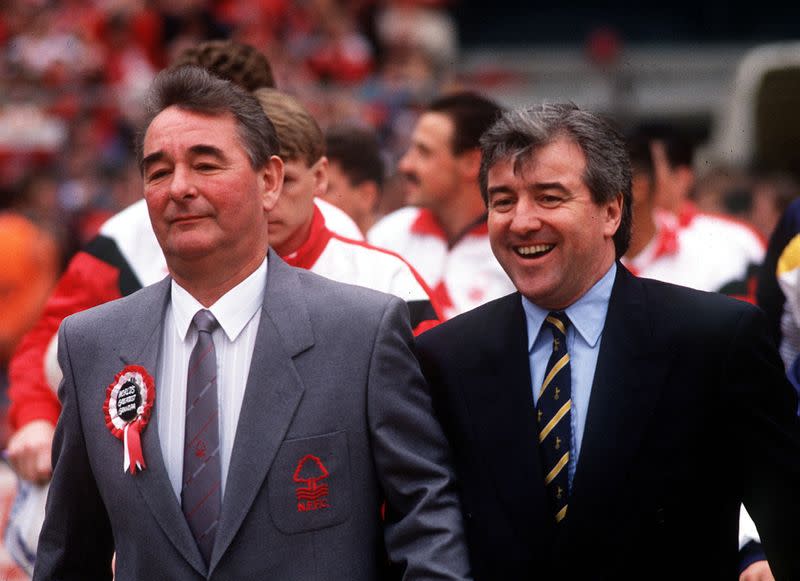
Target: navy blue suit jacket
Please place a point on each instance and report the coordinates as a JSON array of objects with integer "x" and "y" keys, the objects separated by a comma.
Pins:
[{"x": 690, "y": 414}]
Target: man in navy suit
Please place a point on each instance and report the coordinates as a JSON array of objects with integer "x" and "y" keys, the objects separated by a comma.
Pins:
[{"x": 605, "y": 426}]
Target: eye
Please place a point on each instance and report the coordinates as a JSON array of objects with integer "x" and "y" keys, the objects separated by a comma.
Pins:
[
  {"x": 550, "y": 200},
  {"x": 501, "y": 203},
  {"x": 157, "y": 174},
  {"x": 206, "y": 166}
]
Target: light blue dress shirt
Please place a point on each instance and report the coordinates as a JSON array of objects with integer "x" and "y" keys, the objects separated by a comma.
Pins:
[{"x": 587, "y": 317}]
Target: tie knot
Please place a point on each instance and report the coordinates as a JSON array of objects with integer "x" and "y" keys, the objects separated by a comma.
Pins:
[
  {"x": 205, "y": 321},
  {"x": 558, "y": 321}
]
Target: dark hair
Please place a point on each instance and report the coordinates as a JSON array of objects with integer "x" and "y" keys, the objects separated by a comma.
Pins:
[
  {"x": 195, "y": 89},
  {"x": 678, "y": 145},
  {"x": 519, "y": 133},
  {"x": 299, "y": 133},
  {"x": 641, "y": 157},
  {"x": 234, "y": 61},
  {"x": 358, "y": 153},
  {"x": 471, "y": 114}
]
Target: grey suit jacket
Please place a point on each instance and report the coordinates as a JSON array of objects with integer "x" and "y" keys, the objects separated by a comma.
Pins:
[{"x": 333, "y": 375}]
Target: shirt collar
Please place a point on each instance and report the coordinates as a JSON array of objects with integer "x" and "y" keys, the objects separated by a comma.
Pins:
[
  {"x": 587, "y": 314},
  {"x": 233, "y": 310}
]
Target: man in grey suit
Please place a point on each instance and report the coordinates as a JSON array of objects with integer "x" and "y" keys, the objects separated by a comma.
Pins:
[{"x": 241, "y": 419}]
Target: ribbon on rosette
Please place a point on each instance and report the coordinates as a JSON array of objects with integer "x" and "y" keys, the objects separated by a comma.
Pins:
[{"x": 127, "y": 408}]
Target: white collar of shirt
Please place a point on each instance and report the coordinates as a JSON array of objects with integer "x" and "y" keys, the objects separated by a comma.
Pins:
[
  {"x": 232, "y": 310},
  {"x": 587, "y": 315}
]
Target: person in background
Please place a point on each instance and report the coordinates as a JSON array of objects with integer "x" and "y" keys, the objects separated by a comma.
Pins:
[
  {"x": 29, "y": 265},
  {"x": 600, "y": 420},
  {"x": 443, "y": 233},
  {"x": 708, "y": 252},
  {"x": 355, "y": 172},
  {"x": 298, "y": 230}
]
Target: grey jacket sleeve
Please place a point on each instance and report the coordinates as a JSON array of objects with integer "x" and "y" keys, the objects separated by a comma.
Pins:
[{"x": 424, "y": 528}]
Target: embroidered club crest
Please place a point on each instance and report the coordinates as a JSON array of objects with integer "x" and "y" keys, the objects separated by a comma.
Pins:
[{"x": 313, "y": 494}]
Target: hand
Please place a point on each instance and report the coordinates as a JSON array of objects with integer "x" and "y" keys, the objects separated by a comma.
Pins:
[
  {"x": 758, "y": 571},
  {"x": 29, "y": 451}
]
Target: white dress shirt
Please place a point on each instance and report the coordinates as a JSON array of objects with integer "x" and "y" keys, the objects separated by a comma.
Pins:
[{"x": 238, "y": 312}]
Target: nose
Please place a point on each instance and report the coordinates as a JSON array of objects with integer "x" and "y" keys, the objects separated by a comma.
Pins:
[
  {"x": 527, "y": 217},
  {"x": 182, "y": 185},
  {"x": 405, "y": 165}
]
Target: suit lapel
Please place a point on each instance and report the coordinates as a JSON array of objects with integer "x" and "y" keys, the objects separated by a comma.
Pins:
[
  {"x": 628, "y": 380},
  {"x": 501, "y": 405},
  {"x": 140, "y": 346},
  {"x": 273, "y": 392}
]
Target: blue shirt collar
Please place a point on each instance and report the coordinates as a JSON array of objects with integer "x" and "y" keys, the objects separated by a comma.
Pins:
[{"x": 587, "y": 314}]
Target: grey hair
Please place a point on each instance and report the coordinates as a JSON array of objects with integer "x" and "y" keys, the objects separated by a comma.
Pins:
[
  {"x": 518, "y": 134},
  {"x": 192, "y": 88}
]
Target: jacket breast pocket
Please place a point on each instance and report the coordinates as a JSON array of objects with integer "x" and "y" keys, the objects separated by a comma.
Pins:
[{"x": 309, "y": 483}]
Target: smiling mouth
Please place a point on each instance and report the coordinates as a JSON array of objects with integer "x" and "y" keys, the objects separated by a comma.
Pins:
[{"x": 534, "y": 250}]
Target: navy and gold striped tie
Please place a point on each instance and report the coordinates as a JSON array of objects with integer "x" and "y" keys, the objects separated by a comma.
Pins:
[{"x": 553, "y": 414}]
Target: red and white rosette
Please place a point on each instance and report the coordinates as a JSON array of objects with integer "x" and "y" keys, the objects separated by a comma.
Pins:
[{"x": 127, "y": 408}]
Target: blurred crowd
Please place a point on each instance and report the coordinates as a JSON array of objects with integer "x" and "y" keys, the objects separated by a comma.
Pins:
[{"x": 72, "y": 75}]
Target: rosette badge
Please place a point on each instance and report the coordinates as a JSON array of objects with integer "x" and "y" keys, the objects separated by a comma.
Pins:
[{"x": 127, "y": 408}]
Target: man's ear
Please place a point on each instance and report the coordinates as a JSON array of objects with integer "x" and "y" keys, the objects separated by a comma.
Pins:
[
  {"x": 469, "y": 163},
  {"x": 271, "y": 181},
  {"x": 613, "y": 215},
  {"x": 320, "y": 171},
  {"x": 368, "y": 196}
]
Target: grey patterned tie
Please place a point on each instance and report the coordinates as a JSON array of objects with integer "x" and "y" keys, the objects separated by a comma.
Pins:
[{"x": 200, "y": 495}]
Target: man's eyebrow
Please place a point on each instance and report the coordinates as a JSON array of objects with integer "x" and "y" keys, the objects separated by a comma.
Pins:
[
  {"x": 202, "y": 149},
  {"x": 152, "y": 158},
  {"x": 501, "y": 189},
  {"x": 549, "y": 186}
]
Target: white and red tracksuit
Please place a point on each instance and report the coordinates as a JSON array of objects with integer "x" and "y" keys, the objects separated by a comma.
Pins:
[
  {"x": 126, "y": 256},
  {"x": 703, "y": 251},
  {"x": 462, "y": 276}
]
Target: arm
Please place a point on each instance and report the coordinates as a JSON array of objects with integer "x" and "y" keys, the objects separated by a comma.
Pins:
[
  {"x": 424, "y": 528},
  {"x": 769, "y": 295},
  {"x": 76, "y": 540},
  {"x": 768, "y": 435},
  {"x": 34, "y": 409},
  {"x": 753, "y": 564}
]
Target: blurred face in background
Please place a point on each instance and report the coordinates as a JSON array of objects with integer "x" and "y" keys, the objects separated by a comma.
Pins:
[
  {"x": 358, "y": 201},
  {"x": 430, "y": 168}
]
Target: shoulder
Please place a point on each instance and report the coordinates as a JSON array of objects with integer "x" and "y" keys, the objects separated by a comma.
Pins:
[
  {"x": 134, "y": 217},
  {"x": 717, "y": 228},
  {"x": 367, "y": 252},
  {"x": 337, "y": 220},
  {"x": 374, "y": 263},
  {"x": 395, "y": 224},
  {"x": 475, "y": 326},
  {"x": 339, "y": 298},
  {"x": 122, "y": 312},
  {"x": 682, "y": 308}
]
